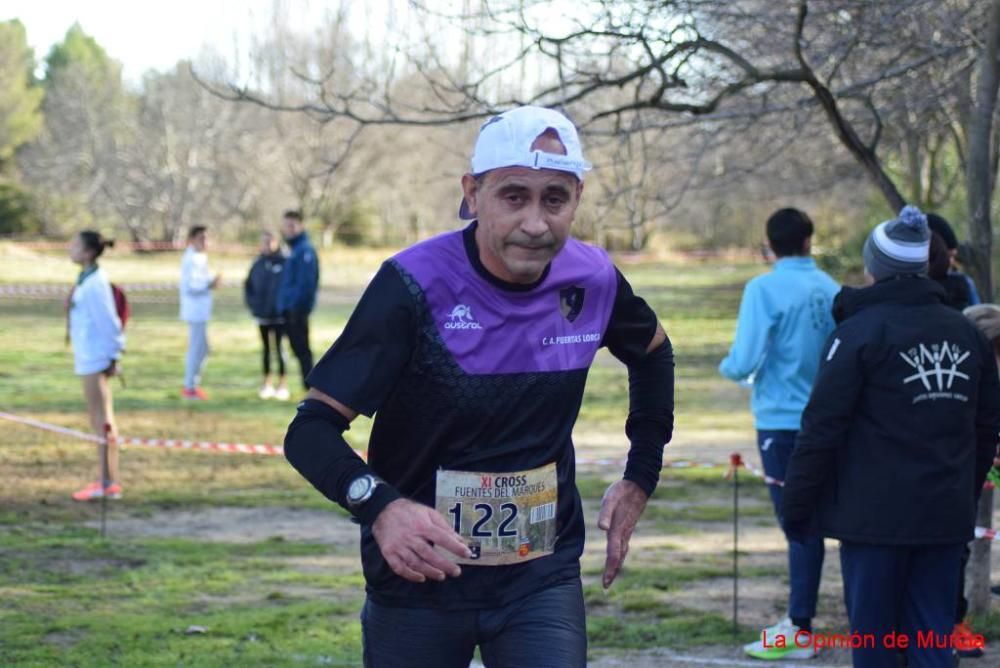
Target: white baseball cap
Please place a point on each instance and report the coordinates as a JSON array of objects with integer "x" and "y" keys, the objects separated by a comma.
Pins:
[{"x": 505, "y": 141}]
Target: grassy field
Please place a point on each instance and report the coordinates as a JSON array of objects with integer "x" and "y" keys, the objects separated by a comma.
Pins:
[{"x": 214, "y": 560}]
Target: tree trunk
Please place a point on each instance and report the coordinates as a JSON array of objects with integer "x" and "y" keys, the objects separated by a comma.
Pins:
[
  {"x": 979, "y": 179},
  {"x": 979, "y": 174}
]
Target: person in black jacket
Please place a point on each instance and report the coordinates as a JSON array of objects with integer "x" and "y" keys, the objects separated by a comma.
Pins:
[
  {"x": 942, "y": 227},
  {"x": 956, "y": 287},
  {"x": 260, "y": 293},
  {"x": 896, "y": 439}
]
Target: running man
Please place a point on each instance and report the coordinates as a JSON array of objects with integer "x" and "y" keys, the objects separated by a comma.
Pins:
[{"x": 471, "y": 350}]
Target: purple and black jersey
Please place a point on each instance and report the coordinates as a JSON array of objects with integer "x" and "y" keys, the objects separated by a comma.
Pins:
[{"x": 465, "y": 372}]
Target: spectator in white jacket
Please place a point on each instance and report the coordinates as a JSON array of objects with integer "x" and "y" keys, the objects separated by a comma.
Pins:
[
  {"x": 197, "y": 283},
  {"x": 95, "y": 331}
]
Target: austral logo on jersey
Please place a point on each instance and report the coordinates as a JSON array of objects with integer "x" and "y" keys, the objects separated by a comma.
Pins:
[
  {"x": 937, "y": 367},
  {"x": 571, "y": 302},
  {"x": 461, "y": 318}
]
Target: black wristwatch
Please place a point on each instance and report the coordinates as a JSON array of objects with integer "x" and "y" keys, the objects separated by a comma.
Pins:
[{"x": 361, "y": 489}]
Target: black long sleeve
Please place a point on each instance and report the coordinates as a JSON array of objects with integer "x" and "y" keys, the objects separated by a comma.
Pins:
[
  {"x": 315, "y": 446},
  {"x": 650, "y": 420},
  {"x": 650, "y": 423}
]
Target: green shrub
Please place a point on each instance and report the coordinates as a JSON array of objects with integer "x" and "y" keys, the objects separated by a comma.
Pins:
[
  {"x": 358, "y": 225},
  {"x": 18, "y": 216}
]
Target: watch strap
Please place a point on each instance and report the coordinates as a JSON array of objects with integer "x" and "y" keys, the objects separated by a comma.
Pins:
[{"x": 382, "y": 496}]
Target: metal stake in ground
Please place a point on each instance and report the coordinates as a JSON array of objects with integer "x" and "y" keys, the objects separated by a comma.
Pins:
[
  {"x": 735, "y": 463},
  {"x": 105, "y": 476}
]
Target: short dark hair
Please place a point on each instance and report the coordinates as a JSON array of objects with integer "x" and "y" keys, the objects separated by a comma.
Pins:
[
  {"x": 787, "y": 231},
  {"x": 941, "y": 226},
  {"x": 195, "y": 230},
  {"x": 96, "y": 242},
  {"x": 294, "y": 214}
]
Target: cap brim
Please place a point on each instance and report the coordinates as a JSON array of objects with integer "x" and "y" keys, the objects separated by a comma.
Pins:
[{"x": 463, "y": 211}]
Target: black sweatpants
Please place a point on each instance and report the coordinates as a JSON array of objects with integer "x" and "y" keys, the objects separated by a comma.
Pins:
[
  {"x": 269, "y": 333},
  {"x": 297, "y": 329}
]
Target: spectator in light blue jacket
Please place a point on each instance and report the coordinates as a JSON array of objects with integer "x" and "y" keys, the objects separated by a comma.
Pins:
[
  {"x": 297, "y": 293},
  {"x": 784, "y": 320}
]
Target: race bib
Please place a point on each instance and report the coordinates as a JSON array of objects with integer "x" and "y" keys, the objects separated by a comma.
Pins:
[{"x": 504, "y": 518}]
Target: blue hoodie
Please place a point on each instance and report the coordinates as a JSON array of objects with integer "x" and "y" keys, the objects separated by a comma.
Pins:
[
  {"x": 300, "y": 279},
  {"x": 785, "y": 317}
]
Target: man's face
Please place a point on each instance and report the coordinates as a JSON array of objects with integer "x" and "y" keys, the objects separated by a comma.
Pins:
[
  {"x": 198, "y": 242},
  {"x": 291, "y": 228},
  {"x": 524, "y": 215}
]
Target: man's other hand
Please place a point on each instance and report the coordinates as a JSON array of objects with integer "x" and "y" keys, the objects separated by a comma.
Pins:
[
  {"x": 407, "y": 533},
  {"x": 621, "y": 507}
]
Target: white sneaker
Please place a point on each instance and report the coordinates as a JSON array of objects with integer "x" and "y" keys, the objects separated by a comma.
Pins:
[
  {"x": 282, "y": 394},
  {"x": 784, "y": 640},
  {"x": 266, "y": 391}
]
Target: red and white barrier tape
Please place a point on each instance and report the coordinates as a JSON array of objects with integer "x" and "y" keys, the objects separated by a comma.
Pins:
[
  {"x": 51, "y": 427},
  {"x": 261, "y": 448},
  {"x": 736, "y": 462},
  {"x": 136, "y": 246},
  {"x": 170, "y": 443},
  {"x": 139, "y": 293},
  {"x": 768, "y": 480},
  {"x": 41, "y": 290},
  {"x": 266, "y": 449},
  {"x": 987, "y": 534},
  {"x": 207, "y": 446},
  {"x": 61, "y": 289}
]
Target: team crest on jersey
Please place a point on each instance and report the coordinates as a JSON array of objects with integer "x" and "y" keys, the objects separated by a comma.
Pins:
[
  {"x": 936, "y": 367},
  {"x": 571, "y": 302},
  {"x": 461, "y": 318}
]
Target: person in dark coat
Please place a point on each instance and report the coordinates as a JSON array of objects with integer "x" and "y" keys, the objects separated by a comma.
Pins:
[
  {"x": 260, "y": 293},
  {"x": 942, "y": 227},
  {"x": 956, "y": 287},
  {"x": 896, "y": 440},
  {"x": 297, "y": 293}
]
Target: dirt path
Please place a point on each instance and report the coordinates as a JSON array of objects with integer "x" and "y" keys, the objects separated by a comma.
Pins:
[
  {"x": 762, "y": 599},
  {"x": 241, "y": 525}
]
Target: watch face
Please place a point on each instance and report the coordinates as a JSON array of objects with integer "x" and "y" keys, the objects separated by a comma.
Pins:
[{"x": 359, "y": 487}]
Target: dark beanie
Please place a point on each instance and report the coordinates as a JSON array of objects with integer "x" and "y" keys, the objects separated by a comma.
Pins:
[
  {"x": 898, "y": 246},
  {"x": 941, "y": 226}
]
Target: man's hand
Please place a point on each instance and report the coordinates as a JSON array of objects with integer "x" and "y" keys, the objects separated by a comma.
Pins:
[
  {"x": 407, "y": 533},
  {"x": 621, "y": 507},
  {"x": 216, "y": 282}
]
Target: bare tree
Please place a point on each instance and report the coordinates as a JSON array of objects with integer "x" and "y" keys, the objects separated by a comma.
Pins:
[
  {"x": 885, "y": 76},
  {"x": 981, "y": 177}
]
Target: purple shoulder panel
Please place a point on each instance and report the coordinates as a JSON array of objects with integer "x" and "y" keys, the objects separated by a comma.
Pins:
[{"x": 556, "y": 326}]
